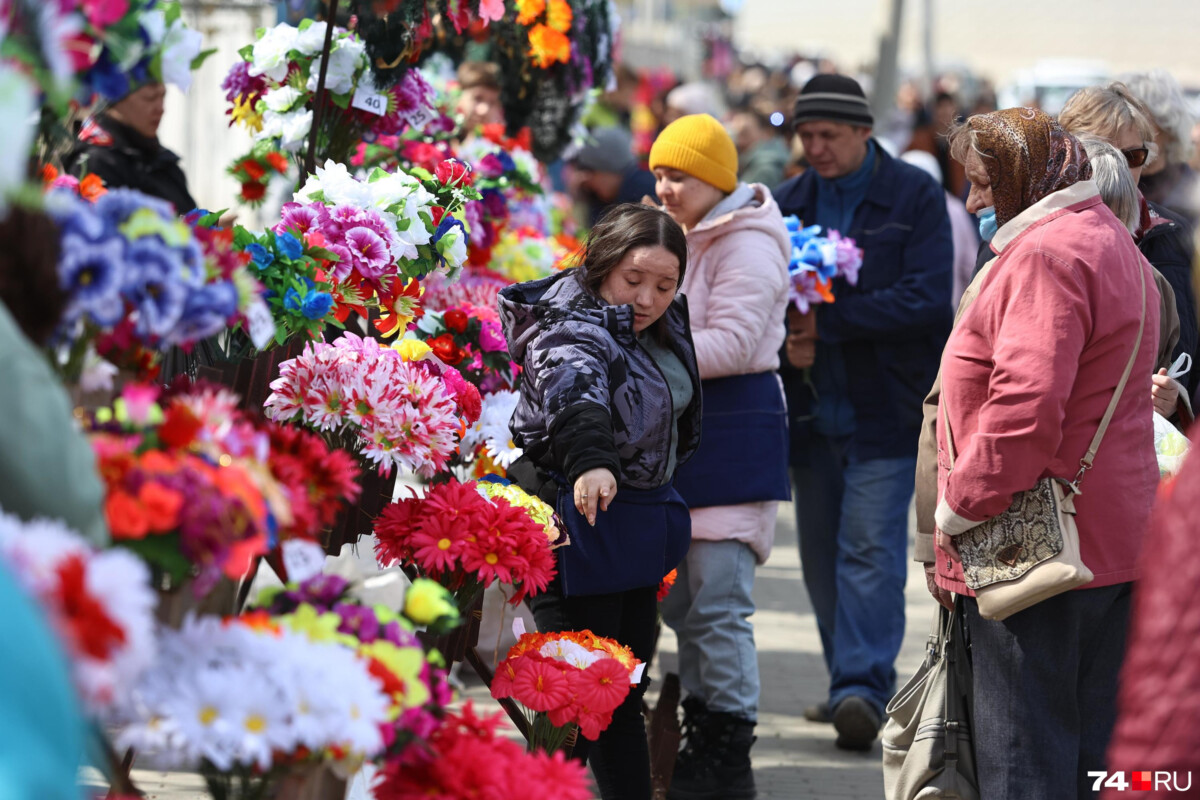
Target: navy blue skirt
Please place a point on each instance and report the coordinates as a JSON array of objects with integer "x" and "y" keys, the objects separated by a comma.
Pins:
[
  {"x": 743, "y": 453},
  {"x": 644, "y": 534}
]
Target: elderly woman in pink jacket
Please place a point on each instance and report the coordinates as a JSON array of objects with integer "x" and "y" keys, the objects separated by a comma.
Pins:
[
  {"x": 736, "y": 287},
  {"x": 1067, "y": 308}
]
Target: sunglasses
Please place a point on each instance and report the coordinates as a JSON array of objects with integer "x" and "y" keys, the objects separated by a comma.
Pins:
[{"x": 1136, "y": 156}]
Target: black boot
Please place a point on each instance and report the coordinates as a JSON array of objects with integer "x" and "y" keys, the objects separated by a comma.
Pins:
[
  {"x": 724, "y": 771},
  {"x": 695, "y": 720}
]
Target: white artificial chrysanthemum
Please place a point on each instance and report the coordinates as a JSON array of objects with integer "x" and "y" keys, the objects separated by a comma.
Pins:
[
  {"x": 291, "y": 129},
  {"x": 311, "y": 39},
  {"x": 348, "y": 59},
  {"x": 335, "y": 183},
  {"x": 270, "y": 54},
  {"x": 390, "y": 189},
  {"x": 282, "y": 99},
  {"x": 204, "y": 707}
]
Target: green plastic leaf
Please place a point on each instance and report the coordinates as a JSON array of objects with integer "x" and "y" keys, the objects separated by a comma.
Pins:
[
  {"x": 162, "y": 551},
  {"x": 203, "y": 55}
]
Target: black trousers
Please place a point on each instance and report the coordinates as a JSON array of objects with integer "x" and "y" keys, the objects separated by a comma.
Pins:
[{"x": 620, "y": 758}]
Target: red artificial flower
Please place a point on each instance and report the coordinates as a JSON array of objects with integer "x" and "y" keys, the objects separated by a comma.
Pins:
[
  {"x": 160, "y": 506},
  {"x": 437, "y": 545},
  {"x": 437, "y": 213},
  {"x": 253, "y": 191},
  {"x": 252, "y": 168},
  {"x": 445, "y": 348},
  {"x": 92, "y": 630},
  {"x": 452, "y": 172},
  {"x": 539, "y": 683},
  {"x": 664, "y": 588},
  {"x": 179, "y": 427},
  {"x": 603, "y": 686},
  {"x": 422, "y": 154},
  {"x": 393, "y": 528},
  {"x": 125, "y": 517},
  {"x": 278, "y": 162},
  {"x": 555, "y": 775},
  {"x": 456, "y": 320}
]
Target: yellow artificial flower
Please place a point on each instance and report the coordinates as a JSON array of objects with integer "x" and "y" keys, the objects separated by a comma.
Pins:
[
  {"x": 427, "y": 601},
  {"x": 529, "y": 10},
  {"x": 245, "y": 113},
  {"x": 534, "y": 506},
  {"x": 406, "y": 664},
  {"x": 547, "y": 46},
  {"x": 145, "y": 222},
  {"x": 559, "y": 16},
  {"x": 316, "y": 626},
  {"x": 412, "y": 349}
]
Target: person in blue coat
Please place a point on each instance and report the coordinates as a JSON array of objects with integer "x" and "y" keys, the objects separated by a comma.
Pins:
[{"x": 855, "y": 410}]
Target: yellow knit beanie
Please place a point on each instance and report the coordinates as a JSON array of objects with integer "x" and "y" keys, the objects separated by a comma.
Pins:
[{"x": 698, "y": 145}]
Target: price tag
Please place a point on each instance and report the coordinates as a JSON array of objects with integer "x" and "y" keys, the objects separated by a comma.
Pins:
[
  {"x": 302, "y": 559},
  {"x": 368, "y": 98},
  {"x": 422, "y": 116},
  {"x": 260, "y": 324}
]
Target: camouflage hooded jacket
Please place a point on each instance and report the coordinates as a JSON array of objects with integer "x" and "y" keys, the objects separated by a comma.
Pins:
[{"x": 591, "y": 396}]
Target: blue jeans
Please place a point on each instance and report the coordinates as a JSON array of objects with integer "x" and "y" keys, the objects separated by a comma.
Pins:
[
  {"x": 1046, "y": 693},
  {"x": 852, "y": 519},
  {"x": 709, "y": 609}
]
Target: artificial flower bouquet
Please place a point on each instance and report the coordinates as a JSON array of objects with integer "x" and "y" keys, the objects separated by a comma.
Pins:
[
  {"x": 324, "y": 608},
  {"x": 366, "y": 397},
  {"x": 99, "y": 602},
  {"x": 523, "y": 254},
  {"x": 255, "y": 170},
  {"x": 467, "y": 757},
  {"x": 139, "y": 280},
  {"x": 249, "y": 700},
  {"x": 488, "y": 442},
  {"x": 272, "y": 92},
  {"x": 466, "y": 540},
  {"x": 816, "y": 261},
  {"x": 566, "y": 679},
  {"x": 470, "y": 339}
]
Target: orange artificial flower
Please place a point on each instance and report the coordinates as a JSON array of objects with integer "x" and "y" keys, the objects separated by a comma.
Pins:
[
  {"x": 529, "y": 10},
  {"x": 92, "y": 188},
  {"x": 559, "y": 15},
  {"x": 49, "y": 174},
  {"x": 160, "y": 506},
  {"x": 158, "y": 463},
  {"x": 825, "y": 289},
  {"x": 536, "y": 641},
  {"x": 125, "y": 517},
  {"x": 664, "y": 588},
  {"x": 547, "y": 46}
]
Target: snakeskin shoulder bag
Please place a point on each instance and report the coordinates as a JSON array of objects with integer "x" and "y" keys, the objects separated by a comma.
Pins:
[{"x": 1030, "y": 552}]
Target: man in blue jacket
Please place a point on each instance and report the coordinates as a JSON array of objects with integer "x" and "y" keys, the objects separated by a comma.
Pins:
[{"x": 856, "y": 411}]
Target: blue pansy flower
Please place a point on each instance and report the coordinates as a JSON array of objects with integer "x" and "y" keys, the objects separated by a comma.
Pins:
[
  {"x": 92, "y": 274},
  {"x": 117, "y": 205},
  {"x": 206, "y": 312},
  {"x": 155, "y": 287},
  {"x": 260, "y": 256},
  {"x": 289, "y": 246}
]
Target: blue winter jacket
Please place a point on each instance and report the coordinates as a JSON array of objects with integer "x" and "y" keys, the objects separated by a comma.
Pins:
[{"x": 893, "y": 325}]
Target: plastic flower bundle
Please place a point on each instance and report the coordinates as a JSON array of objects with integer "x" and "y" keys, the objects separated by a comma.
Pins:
[
  {"x": 248, "y": 699},
  {"x": 391, "y": 224},
  {"x": 323, "y": 608},
  {"x": 272, "y": 91},
  {"x": 524, "y": 255},
  {"x": 99, "y": 602},
  {"x": 366, "y": 398},
  {"x": 566, "y": 679},
  {"x": 494, "y": 486},
  {"x": 255, "y": 170},
  {"x": 176, "y": 503},
  {"x": 816, "y": 261},
  {"x": 469, "y": 758},
  {"x": 489, "y": 439},
  {"x": 90, "y": 188},
  {"x": 308, "y": 482},
  {"x": 466, "y": 542},
  {"x": 470, "y": 339},
  {"x": 137, "y": 277}
]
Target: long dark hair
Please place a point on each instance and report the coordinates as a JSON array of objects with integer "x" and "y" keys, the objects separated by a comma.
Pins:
[
  {"x": 29, "y": 248},
  {"x": 623, "y": 228}
]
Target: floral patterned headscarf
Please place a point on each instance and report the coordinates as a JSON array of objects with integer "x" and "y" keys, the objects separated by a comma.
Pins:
[{"x": 1027, "y": 157}]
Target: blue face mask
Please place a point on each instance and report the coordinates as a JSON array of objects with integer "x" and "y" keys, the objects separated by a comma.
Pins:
[{"x": 987, "y": 223}]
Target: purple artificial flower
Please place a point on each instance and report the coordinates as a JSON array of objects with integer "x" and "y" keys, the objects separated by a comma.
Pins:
[
  {"x": 322, "y": 591},
  {"x": 491, "y": 166},
  {"x": 358, "y": 621},
  {"x": 116, "y": 205},
  {"x": 412, "y": 97},
  {"x": 206, "y": 313},
  {"x": 300, "y": 219},
  {"x": 155, "y": 286},
  {"x": 340, "y": 269},
  {"x": 495, "y": 205},
  {"x": 369, "y": 253},
  {"x": 191, "y": 259},
  {"x": 394, "y": 633},
  {"x": 491, "y": 337},
  {"x": 76, "y": 215},
  {"x": 240, "y": 83},
  {"x": 92, "y": 274}
]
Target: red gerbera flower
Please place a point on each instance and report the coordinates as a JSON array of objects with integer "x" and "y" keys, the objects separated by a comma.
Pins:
[
  {"x": 278, "y": 162},
  {"x": 540, "y": 685},
  {"x": 603, "y": 686}
]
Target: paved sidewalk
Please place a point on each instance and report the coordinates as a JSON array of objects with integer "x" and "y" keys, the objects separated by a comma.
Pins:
[{"x": 794, "y": 759}]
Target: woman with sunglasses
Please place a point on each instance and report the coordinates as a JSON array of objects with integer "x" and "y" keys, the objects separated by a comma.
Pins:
[{"x": 1114, "y": 114}]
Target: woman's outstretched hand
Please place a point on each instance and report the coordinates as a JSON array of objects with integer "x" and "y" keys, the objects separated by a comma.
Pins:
[{"x": 594, "y": 489}]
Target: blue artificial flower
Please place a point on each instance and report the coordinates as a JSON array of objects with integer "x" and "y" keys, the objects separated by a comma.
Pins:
[
  {"x": 205, "y": 313},
  {"x": 76, "y": 215},
  {"x": 155, "y": 286},
  {"x": 289, "y": 246},
  {"x": 192, "y": 259},
  {"x": 316, "y": 305},
  {"x": 447, "y": 224},
  {"x": 117, "y": 205},
  {"x": 92, "y": 274},
  {"x": 291, "y": 300},
  {"x": 260, "y": 256},
  {"x": 108, "y": 79},
  {"x": 507, "y": 161}
]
